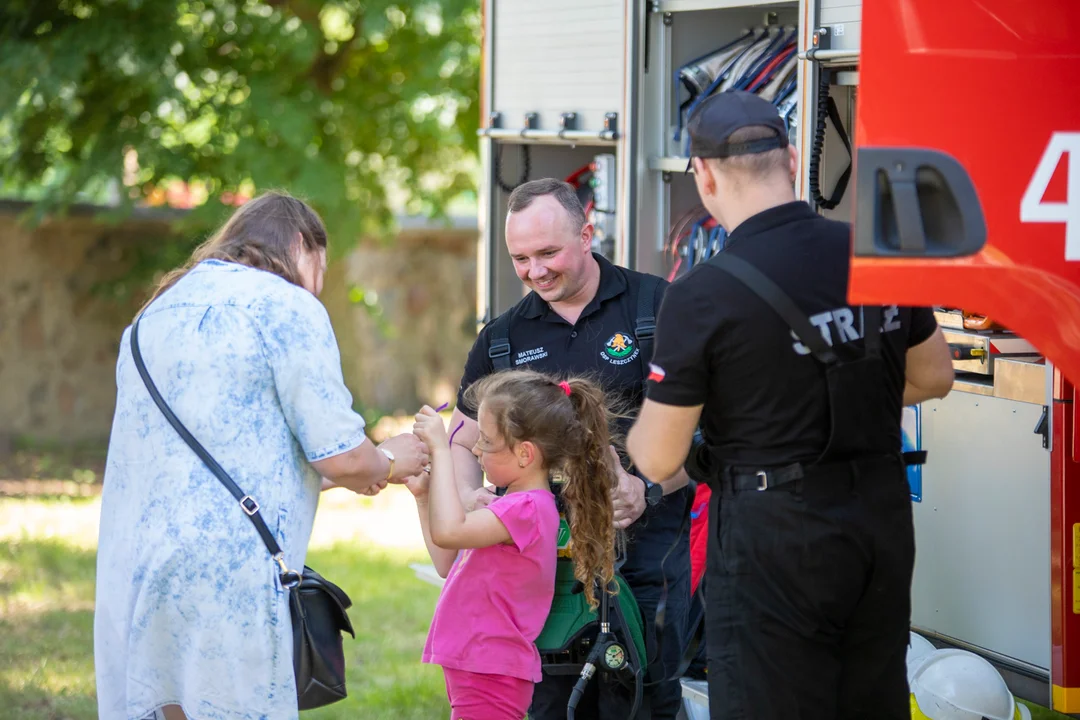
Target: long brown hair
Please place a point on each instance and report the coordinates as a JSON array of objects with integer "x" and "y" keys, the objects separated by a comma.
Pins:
[
  {"x": 260, "y": 235},
  {"x": 573, "y": 433}
]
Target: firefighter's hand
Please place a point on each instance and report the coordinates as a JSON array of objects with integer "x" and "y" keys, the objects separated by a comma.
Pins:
[{"x": 628, "y": 496}]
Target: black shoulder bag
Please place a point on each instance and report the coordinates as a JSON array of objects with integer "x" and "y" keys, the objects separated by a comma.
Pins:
[{"x": 317, "y": 606}]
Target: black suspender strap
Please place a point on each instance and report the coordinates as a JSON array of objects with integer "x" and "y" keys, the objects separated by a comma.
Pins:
[
  {"x": 871, "y": 322},
  {"x": 247, "y": 503},
  {"x": 778, "y": 300},
  {"x": 499, "y": 342},
  {"x": 786, "y": 308},
  {"x": 645, "y": 323},
  {"x": 644, "y": 329}
]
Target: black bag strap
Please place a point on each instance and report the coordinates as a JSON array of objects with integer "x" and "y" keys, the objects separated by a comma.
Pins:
[
  {"x": 247, "y": 503},
  {"x": 499, "y": 342},
  {"x": 645, "y": 323}
]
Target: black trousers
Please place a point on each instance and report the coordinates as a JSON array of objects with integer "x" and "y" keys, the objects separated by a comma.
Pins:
[
  {"x": 809, "y": 596},
  {"x": 605, "y": 700}
]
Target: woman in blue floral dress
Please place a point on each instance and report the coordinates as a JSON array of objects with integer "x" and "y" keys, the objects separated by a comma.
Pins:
[{"x": 191, "y": 618}]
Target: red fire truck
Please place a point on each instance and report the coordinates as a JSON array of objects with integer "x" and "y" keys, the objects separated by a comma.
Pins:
[{"x": 967, "y": 196}]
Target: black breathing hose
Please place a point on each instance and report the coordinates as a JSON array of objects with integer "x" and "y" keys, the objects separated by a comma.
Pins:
[
  {"x": 524, "y": 168},
  {"x": 821, "y": 113},
  {"x": 594, "y": 655},
  {"x": 603, "y": 639},
  {"x": 583, "y": 681}
]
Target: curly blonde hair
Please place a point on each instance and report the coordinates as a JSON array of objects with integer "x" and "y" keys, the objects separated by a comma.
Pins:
[{"x": 573, "y": 433}]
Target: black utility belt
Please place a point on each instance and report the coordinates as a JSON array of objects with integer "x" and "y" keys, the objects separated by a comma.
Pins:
[{"x": 743, "y": 478}]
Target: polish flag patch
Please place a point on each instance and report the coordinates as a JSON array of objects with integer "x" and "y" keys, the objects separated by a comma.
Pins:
[{"x": 656, "y": 373}]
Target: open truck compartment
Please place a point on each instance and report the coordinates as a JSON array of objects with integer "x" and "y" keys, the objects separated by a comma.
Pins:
[{"x": 597, "y": 92}]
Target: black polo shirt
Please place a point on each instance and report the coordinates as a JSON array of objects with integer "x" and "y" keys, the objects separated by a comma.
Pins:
[
  {"x": 601, "y": 344},
  {"x": 721, "y": 346}
]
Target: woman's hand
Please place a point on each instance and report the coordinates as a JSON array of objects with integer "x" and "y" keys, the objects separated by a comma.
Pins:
[
  {"x": 429, "y": 427},
  {"x": 410, "y": 456}
]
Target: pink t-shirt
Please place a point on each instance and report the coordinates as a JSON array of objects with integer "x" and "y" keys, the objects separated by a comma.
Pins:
[{"x": 496, "y": 599}]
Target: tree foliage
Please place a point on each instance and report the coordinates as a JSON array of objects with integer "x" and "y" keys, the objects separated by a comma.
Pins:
[{"x": 344, "y": 103}]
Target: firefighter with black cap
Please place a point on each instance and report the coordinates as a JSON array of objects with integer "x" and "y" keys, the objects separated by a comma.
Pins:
[{"x": 799, "y": 396}]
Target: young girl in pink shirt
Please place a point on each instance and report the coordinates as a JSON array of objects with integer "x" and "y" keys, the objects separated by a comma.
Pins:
[{"x": 500, "y": 585}]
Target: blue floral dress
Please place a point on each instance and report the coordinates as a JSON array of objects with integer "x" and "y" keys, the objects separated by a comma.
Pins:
[{"x": 189, "y": 608}]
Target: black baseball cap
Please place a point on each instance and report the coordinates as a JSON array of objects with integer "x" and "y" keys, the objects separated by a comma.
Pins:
[{"x": 719, "y": 115}]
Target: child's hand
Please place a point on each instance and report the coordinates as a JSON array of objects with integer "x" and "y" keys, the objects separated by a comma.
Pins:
[
  {"x": 430, "y": 429},
  {"x": 418, "y": 485}
]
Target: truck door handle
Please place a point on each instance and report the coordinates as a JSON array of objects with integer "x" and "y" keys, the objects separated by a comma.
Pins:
[
  {"x": 914, "y": 202},
  {"x": 1043, "y": 427},
  {"x": 967, "y": 352}
]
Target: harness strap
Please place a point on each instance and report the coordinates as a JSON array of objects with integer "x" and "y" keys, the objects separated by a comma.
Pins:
[
  {"x": 645, "y": 323},
  {"x": 771, "y": 294},
  {"x": 499, "y": 348},
  {"x": 778, "y": 300}
]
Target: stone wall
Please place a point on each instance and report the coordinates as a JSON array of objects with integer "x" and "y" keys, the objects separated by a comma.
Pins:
[
  {"x": 59, "y": 338},
  {"x": 409, "y": 347}
]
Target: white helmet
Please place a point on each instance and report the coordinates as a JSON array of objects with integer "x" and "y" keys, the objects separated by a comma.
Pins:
[
  {"x": 959, "y": 685},
  {"x": 918, "y": 648}
]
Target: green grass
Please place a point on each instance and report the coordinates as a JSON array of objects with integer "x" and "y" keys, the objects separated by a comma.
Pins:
[
  {"x": 46, "y": 635},
  {"x": 46, "y": 631},
  {"x": 1041, "y": 713},
  {"x": 46, "y": 627},
  {"x": 391, "y": 613},
  {"x": 33, "y": 460}
]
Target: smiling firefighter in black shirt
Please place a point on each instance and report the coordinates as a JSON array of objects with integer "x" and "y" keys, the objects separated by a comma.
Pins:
[
  {"x": 799, "y": 396},
  {"x": 585, "y": 315}
]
